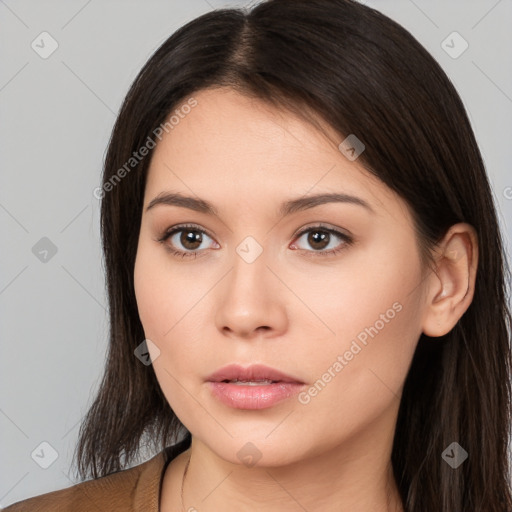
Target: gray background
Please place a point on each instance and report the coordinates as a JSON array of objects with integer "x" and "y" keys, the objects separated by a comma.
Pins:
[{"x": 56, "y": 117}]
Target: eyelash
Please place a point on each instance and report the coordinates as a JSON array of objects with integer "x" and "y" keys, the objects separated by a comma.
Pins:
[{"x": 347, "y": 240}]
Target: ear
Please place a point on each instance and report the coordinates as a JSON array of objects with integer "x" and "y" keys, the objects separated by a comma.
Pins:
[{"x": 451, "y": 285}]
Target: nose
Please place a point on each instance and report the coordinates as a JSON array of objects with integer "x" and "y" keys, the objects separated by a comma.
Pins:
[{"x": 251, "y": 301}]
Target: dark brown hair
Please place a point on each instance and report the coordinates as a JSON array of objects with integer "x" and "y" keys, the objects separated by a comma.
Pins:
[{"x": 363, "y": 74}]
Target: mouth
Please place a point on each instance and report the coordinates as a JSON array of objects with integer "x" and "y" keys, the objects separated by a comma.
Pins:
[
  {"x": 257, "y": 374},
  {"x": 264, "y": 382},
  {"x": 253, "y": 387}
]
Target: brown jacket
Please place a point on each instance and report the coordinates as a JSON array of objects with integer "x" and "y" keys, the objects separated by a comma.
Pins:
[{"x": 132, "y": 490}]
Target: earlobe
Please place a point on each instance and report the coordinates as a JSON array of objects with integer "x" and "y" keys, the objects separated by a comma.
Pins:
[{"x": 451, "y": 285}]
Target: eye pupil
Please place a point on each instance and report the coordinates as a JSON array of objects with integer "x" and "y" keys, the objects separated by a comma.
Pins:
[
  {"x": 318, "y": 237},
  {"x": 191, "y": 237}
]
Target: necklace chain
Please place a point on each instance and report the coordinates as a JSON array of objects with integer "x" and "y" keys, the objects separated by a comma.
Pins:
[{"x": 183, "y": 482}]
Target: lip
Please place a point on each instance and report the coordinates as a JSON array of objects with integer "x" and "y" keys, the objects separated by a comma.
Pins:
[
  {"x": 252, "y": 372},
  {"x": 253, "y": 397}
]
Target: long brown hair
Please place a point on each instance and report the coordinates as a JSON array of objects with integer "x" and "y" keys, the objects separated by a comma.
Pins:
[{"x": 363, "y": 74}]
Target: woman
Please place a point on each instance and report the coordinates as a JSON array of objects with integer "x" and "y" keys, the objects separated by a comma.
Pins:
[{"x": 305, "y": 276}]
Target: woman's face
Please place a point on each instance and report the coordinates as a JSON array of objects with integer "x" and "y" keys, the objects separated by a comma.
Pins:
[{"x": 267, "y": 288}]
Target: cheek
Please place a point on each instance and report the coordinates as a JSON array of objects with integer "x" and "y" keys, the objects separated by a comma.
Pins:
[
  {"x": 160, "y": 308},
  {"x": 367, "y": 283},
  {"x": 147, "y": 292},
  {"x": 159, "y": 297},
  {"x": 375, "y": 311},
  {"x": 166, "y": 305}
]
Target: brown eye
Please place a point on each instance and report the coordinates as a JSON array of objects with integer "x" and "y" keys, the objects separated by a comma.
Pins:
[
  {"x": 186, "y": 241},
  {"x": 191, "y": 239},
  {"x": 320, "y": 238}
]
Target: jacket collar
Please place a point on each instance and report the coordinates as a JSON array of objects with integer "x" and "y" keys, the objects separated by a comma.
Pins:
[{"x": 149, "y": 485}]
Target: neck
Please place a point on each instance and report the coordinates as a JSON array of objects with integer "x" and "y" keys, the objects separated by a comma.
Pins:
[{"x": 356, "y": 476}]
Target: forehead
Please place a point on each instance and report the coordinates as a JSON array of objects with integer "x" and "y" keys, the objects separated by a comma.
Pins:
[{"x": 230, "y": 146}]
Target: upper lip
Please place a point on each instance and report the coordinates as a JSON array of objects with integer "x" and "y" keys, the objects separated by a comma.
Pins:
[{"x": 250, "y": 373}]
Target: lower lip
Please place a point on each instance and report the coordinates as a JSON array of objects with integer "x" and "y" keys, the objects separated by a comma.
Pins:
[{"x": 254, "y": 397}]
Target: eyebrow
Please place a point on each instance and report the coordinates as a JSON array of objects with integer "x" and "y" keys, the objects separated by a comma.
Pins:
[{"x": 287, "y": 208}]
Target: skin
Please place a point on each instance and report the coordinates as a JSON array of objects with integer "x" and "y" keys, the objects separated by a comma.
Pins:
[{"x": 291, "y": 309}]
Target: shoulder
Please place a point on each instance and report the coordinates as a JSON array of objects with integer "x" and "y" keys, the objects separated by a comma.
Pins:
[
  {"x": 133, "y": 489},
  {"x": 112, "y": 492}
]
